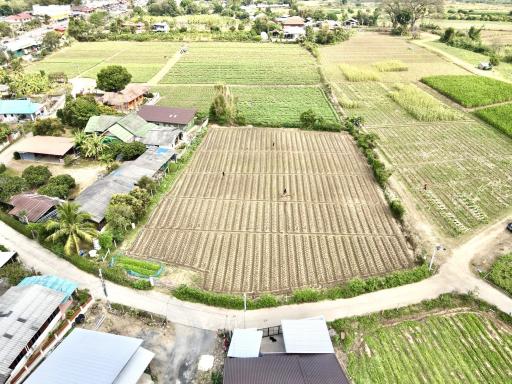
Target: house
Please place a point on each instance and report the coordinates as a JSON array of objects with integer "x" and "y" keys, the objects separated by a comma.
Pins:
[
  {"x": 54, "y": 12},
  {"x": 160, "y": 27},
  {"x": 351, "y": 23},
  {"x": 33, "y": 208},
  {"x": 19, "y": 19},
  {"x": 293, "y": 28},
  {"x": 168, "y": 116},
  {"x": 132, "y": 127},
  {"x": 298, "y": 351},
  {"x": 94, "y": 357},
  {"x": 27, "y": 315},
  {"x": 19, "y": 110},
  {"x": 96, "y": 198},
  {"x": 66, "y": 287},
  {"x": 7, "y": 257},
  {"x": 22, "y": 46},
  {"x": 126, "y": 100},
  {"x": 81, "y": 10},
  {"x": 45, "y": 148}
]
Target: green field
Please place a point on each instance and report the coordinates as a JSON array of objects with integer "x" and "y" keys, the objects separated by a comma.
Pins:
[
  {"x": 261, "y": 106},
  {"x": 244, "y": 63},
  {"x": 499, "y": 117},
  {"x": 143, "y": 60},
  {"x": 460, "y": 348},
  {"x": 501, "y": 273},
  {"x": 471, "y": 91}
]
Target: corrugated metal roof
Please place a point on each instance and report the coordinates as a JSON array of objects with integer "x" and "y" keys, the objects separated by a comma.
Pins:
[
  {"x": 127, "y": 95},
  {"x": 58, "y": 284},
  {"x": 285, "y": 369},
  {"x": 18, "y": 107},
  {"x": 23, "y": 310},
  {"x": 162, "y": 136},
  {"x": 306, "y": 336},
  {"x": 121, "y": 133},
  {"x": 33, "y": 206},
  {"x": 101, "y": 123},
  {"x": 92, "y": 357},
  {"x": 46, "y": 145},
  {"x": 245, "y": 343}
]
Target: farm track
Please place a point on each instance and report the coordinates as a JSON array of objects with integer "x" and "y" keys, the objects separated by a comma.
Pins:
[{"x": 246, "y": 235}]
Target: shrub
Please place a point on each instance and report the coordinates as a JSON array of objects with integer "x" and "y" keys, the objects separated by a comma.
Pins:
[
  {"x": 3, "y": 168},
  {"x": 131, "y": 151},
  {"x": 54, "y": 190},
  {"x": 48, "y": 127},
  {"x": 36, "y": 175},
  {"x": 68, "y": 160},
  {"x": 494, "y": 60},
  {"x": 353, "y": 73},
  {"x": 105, "y": 239},
  {"x": 306, "y": 295},
  {"x": 14, "y": 272},
  {"x": 397, "y": 209}
]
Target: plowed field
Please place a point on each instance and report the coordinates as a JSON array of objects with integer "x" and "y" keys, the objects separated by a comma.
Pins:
[{"x": 247, "y": 235}]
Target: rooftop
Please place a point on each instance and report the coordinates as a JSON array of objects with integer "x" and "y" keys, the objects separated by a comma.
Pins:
[
  {"x": 94, "y": 357},
  {"x": 167, "y": 115},
  {"x": 23, "y": 311},
  {"x": 293, "y": 20},
  {"x": 245, "y": 343},
  {"x": 306, "y": 336},
  {"x": 18, "y": 107},
  {"x": 5, "y": 257},
  {"x": 33, "y": 205},
  {"x": 46, "y": 145},
  {"x": 285, "y": 369},
  {"x": 53, "y": 282},
  {"x": 130, "y": 93},
  {"x": 125, "y": 127}
]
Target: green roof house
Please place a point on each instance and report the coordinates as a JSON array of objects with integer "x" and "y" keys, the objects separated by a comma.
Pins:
[{"x": 126, "y": 128}]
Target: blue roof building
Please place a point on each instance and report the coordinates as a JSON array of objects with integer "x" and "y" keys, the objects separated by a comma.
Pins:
[
  {"x": 19, "y": 109},
  {"x": 52, "y": 282}
]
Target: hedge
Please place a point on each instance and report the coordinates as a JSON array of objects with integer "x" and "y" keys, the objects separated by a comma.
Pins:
[{"x": 352, "y": 288}]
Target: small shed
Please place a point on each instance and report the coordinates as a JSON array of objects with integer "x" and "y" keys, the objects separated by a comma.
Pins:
[
  {"x": 45, "y": 148},
  {"x": 245, "y": 343},
  {"x": 351, "y": 22},
  {"x": 306, "y": 336},
  {"x": 33, "y": 207},
  {"x": 126, "y": 100}
]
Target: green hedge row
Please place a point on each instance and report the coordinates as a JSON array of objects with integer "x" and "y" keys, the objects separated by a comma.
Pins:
[{"x": 353, "y": 288}]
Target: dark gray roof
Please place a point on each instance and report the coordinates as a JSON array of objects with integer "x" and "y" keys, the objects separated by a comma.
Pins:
[
  {"x": 162, "y": 136},
  {"x": 95, "y": 199},
  {"x": 285, "y": 369}
]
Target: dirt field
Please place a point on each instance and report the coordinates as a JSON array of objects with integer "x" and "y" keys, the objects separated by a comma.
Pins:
[{"x": 247, "y": 235}]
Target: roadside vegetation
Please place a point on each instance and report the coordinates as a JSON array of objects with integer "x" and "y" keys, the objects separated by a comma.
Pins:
[
  {"x": 471, "y": 90},
  {"x": 421, "y": 105}
]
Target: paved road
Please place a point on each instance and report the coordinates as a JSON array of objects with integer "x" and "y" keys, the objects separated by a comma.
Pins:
[{"x": 454, "y": 275}]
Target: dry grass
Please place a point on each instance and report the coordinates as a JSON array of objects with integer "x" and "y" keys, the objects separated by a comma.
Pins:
[
  {"x": 390, "y": 66},
  {"x": 353, "y": 73}
]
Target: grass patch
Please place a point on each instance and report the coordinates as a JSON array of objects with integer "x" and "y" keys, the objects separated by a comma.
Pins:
[
  {"x": 499, "y": 117},
  {"x": 353, "y": 288},
  {"x": 390, "y": 66},
  {"x": 15, "y": 272},
  {"x": 353, "y": 73},
  {"x": 140, "y": 267},
  {"x": 501, "y": 273},
  {"x": 421, "y": 105},
  {"x": 470, "y": 90}
]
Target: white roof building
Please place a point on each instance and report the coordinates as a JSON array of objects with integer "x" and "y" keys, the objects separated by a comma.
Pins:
[
  {"x": 54, "y": 11},
  {"x": 306, "y": 336},
  {"x": 5, "y": 257},
  {"x": 94, "y": 357},
  {"x": 245, "y": 343}
]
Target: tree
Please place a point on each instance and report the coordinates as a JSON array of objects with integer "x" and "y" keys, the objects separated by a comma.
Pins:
[
  {"x": 48, "y": 127},
  {"x": 474, "y": 33},
  {"x": 51, "y": 41},
  {"x": 79, "y": 138},
  {"x": 25, "y": 84},
  {"x": 93, "y": 146},
  {"x": 119, "y": 217},
  {"x": 10, "y": 186},
  {"x": 81, "y": 30},
  {"x": 58, "y": 186},
  {"x": 448, "y": 35},
  {"x": 36, "y": 175},
  {"x": 77, "y": 112},
  {"x": 147, "y": 183},
  {"x": 131, "y": 151},
  {"x": 98, "y": 18},
  {"x": 5, "y": 131},
  {"x": 5, "y": 29},
  {"x": 412, "y": 10},
  {"x": 309, "y": 119},
  {"x": 113, "y": 78},
  {"x": 223, "y": 109},
  {"x": 73, "y": 228}
]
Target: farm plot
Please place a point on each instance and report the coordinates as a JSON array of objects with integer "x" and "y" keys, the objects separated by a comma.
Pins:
[
  {"x": 142, "y": 60},
  {"x": 499, "y": 117},
  {"x": 244, "y": 63},
  {"x": 458, "y": 170},
  {"x": 230, "y": 217},
  {"x": 453, "y": 348},
  {"x": 261, "y": 106}
]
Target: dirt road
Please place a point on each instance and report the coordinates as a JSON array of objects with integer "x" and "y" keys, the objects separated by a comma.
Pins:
[{"x": 454, "y": 275}]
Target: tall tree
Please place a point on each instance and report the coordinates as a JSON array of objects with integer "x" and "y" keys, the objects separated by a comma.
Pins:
[
  {"x": 410, "y": 10},
  {"x": 223, "y": 109},
  {"x": 113, "y": 78},
  {"x": 72, "y": 227}
]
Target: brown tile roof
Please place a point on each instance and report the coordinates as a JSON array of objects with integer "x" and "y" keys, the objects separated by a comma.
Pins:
[
  {"x": 46, "y": 145},
  {"x": 285, "y": 369},
  {"x": 167, "y": 115},
  {"x": 130, "y": 93},
  {"x": 34, "y": 205}
]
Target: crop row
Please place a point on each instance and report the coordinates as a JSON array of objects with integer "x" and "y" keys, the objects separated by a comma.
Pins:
[
  {"x": 255, "y": 262},
  {"x": 463, "y": 348}
]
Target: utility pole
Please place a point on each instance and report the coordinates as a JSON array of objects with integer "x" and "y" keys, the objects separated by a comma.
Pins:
[
  {"x": 104, "y": 288},
  {"x": 245, "y": 306},
  {"x": 437, "y": 248}
]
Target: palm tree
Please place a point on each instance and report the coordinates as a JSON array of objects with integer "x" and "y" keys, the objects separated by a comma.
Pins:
[
  {"x": 94, "y": 146},
  {"x": 79, "y": 138},
  {"x": 72, "y": 226}
]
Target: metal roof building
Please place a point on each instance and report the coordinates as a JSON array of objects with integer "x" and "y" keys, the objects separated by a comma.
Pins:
[
  {"x": 93, "y": 357},
  {"x": 46, "y": 145},
  {"x": 18, "y": 107},
  {"x": 306, "y": 336},
  {"x": 24, "y": 311},
  {"x": 245, "y": 343},
  {"x": 33, "y": 206},
  {"x": 5, "y": 257},
  {"x": 285, "y": 369},
  {"x": 53, "y": 282}
]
